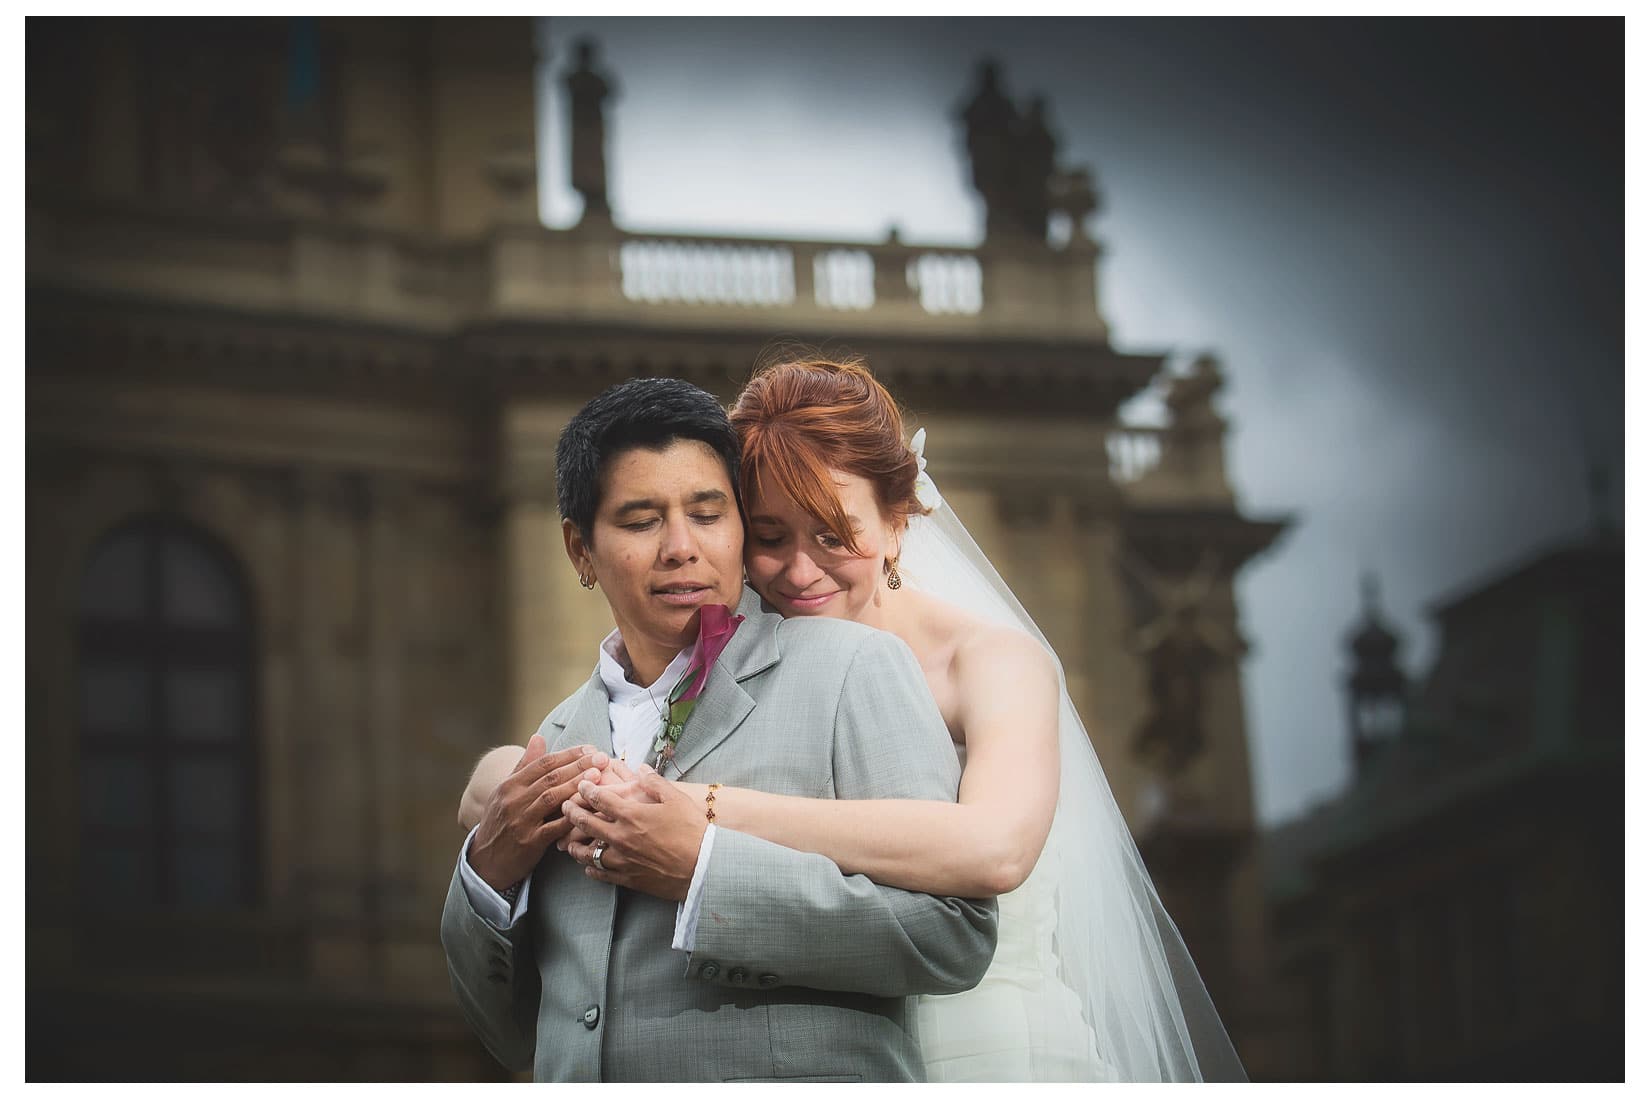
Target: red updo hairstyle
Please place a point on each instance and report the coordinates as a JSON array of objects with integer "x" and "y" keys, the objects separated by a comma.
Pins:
[{"x": 799, "y": 419}]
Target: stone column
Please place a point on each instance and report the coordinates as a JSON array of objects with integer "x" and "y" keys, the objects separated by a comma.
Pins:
[
  {"x": 1223, "y": 778},
  {"x": 1040, "y": 563},
  {"x": 552, "y": 625},
  {"x": 1031, "y": 524},
  {"x": 330, "y": 759},
  {"x": 389, "y": 769},
  {"x": 274, "y": 533},
  {"x": 1116, "y": 701}
]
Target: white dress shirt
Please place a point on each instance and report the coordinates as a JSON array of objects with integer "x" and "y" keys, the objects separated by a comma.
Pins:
[{"x": 635, "y": 716}]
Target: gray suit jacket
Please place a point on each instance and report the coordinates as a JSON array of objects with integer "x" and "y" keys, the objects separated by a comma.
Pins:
[{"x": 798, "y": 972}]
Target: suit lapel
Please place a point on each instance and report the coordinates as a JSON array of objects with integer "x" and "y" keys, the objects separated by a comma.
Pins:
[
  {"x": 589, "y": 723},
  {"x": 581, "y": 901},
  {"x": 724, "y": 704}
]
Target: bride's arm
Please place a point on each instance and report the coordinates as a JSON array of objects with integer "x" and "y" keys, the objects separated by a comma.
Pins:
[
  {"x": 491, "y": 770},
  {"x": 985, "y": 843}
]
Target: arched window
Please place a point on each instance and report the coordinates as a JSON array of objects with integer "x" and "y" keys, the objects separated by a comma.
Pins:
[{"x": 168, "y": 792}]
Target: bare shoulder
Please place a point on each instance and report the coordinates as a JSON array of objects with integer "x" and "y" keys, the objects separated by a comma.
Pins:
[
  {"x": 1007, "y": 686},
  {"x": 998, "y": 653},
  {"x": 984, "y": 656}
]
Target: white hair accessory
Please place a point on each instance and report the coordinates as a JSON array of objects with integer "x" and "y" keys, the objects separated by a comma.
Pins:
[{"x": 928, "y": 495}]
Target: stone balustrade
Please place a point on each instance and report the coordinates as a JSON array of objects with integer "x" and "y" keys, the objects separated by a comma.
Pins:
[
  {"x": 827, "y": 275},
  {"x": 1134, "y": 450}
]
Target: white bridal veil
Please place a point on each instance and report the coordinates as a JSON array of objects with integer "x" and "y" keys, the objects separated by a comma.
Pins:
[{"x": 1116, "y": 945}]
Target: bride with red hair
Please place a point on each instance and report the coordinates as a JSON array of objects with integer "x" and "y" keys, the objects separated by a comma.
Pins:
[{"x": 1090, "y": 980}]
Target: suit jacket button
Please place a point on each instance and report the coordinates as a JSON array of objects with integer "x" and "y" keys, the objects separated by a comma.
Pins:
[
  {"x": 768, "y": 981},
  {"x": 592, "y": 1016},
  {"x": 496, "y": 977},
  {"x": 709, "y": 971},
  {"x": 737, "y": 975}
]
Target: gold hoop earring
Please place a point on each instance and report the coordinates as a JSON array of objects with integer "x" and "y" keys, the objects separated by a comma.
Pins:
[
  {"x": 892, "y": 569},
  {"x": 586, "y": 581}
]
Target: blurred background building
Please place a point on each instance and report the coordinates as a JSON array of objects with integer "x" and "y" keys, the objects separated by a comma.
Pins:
[
  {"x": 1458, "y": 913},
  {"x": 299, "y": 348}
]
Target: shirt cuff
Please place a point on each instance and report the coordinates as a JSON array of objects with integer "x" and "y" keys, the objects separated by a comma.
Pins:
[
  {"x": 687, "y": 910},
  {"x": 487, "y": 902}
]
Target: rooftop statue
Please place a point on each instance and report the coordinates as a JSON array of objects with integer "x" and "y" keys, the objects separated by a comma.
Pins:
[
  {"x": 1012, "y": 163},
  {"x": 587, "y": 93}
]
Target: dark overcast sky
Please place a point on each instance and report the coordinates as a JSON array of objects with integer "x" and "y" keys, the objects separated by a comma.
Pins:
[{"x": 1403, "y": 238}]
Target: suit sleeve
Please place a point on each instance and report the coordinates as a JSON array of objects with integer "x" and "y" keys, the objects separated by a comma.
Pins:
[
  {"x": 495, "y": 976},
  {"x": 774, "y": 916}
]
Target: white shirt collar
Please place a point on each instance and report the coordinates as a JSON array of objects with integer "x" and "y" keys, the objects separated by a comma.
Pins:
[{"x": 611, "y": 663}]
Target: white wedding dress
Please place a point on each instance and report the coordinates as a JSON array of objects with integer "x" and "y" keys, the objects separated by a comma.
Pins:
[
  {"x": 1022, "y": 1022},
  {"x": 1091, "y": 980}
]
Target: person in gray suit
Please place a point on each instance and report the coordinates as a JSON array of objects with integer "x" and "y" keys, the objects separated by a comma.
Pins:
[{"x": 743, "y": 960}]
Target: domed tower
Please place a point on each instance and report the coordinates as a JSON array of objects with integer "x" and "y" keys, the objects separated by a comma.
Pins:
[{"x": 1377, "y": 693}]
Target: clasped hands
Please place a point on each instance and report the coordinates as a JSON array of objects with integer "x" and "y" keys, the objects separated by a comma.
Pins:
[
  {"x": 648, "y": 831},
  {"x": 579, "y": 797}
]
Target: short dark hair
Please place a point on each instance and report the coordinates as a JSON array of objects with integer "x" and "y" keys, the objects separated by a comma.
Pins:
[{"x": 643, "y": 412}]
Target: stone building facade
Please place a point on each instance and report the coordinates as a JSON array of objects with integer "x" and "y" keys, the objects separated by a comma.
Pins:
[
  {"x": 298, "y": 352},
  {"x": 1457, "y": 914}
]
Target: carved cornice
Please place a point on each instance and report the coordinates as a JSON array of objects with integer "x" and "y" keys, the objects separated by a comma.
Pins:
[
  {"x": 70, "y": 331},
  {"x": 936, "y": 374},
  {"x": 1174, "y": 539},
  {"x": 73, "y": 334}
]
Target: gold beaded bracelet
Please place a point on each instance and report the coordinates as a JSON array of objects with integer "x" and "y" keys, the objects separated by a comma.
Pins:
[{"x": 710, "y": 802}]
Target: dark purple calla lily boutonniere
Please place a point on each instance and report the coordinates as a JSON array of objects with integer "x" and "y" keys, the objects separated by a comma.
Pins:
[{"x": 716, "y": 627}]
